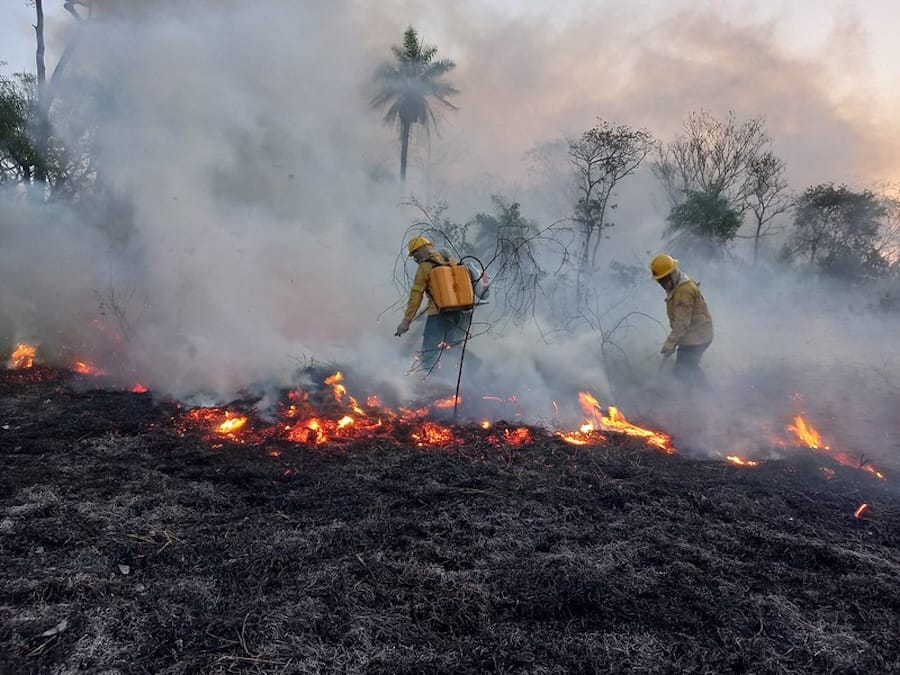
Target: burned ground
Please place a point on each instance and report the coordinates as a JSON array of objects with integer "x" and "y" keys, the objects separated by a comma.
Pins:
[{"x": 130, "y": 547}]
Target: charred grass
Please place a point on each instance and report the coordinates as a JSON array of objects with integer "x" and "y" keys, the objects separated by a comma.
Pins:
[{"x": 129, "y": 548}]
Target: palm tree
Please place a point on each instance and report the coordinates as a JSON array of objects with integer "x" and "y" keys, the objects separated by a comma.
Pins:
[{"x": 407, "y": 85}]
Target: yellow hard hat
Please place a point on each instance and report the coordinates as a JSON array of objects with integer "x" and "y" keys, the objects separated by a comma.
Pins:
[
  {"x": 662, "y": 265},
  {"x": 418, "y": 242}
]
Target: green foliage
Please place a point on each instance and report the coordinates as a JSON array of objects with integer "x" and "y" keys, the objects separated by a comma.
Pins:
[
  {"x": 409, "y": 85},
  {"x": 838, "y": 232},
  {"x": 705, "y": 220},
  {"x": 17, "y": 153}
]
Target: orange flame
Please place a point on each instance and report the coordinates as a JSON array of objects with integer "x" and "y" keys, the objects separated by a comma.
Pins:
[
  {"x": 808, "y": 435},
  {"x": 861, "y": 510},
  {"x": 232, "y": 424},
  {"x": 432, "y": 435},
  {"x": 334, "y": 381},
  {"x": 86, "y": 368},
  {"x": 735, "y": 459},
  {"x": 616, "y": 421},
  {"x": 22, "y": 356}
]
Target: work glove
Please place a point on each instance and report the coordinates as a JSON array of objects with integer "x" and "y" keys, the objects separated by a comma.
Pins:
[
  {"x": 667, "y": 350},
  {"x": 402, "y": 327}
]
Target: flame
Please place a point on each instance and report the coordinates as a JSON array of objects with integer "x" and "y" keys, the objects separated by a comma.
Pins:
[
  {"x": 86, "y": 368},
  {"x": 583, "y": 436},
  {"x": 807, "y": 433},
  {"x": 22, "y": 356},
  {"x": 615, "y": 421},
  {"x": 485, "y": 424},
  {"x": 334, "y": 381},
  {"x": 139, "y": 389},
  {"x": 232, "y": 424},
  {"x": 809, "y": 436},
  {"x": 734, "y": 459},
  {"x": 861, "y": 510},
  {"x": 432, "y": 434}
]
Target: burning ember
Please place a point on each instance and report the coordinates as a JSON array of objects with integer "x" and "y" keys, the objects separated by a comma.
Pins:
[
  {"x": 22, "y": 357},
  {"x": 861, "y": 510}
]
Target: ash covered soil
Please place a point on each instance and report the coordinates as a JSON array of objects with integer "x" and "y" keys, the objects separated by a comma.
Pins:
[{"x": 127, "y": 547}]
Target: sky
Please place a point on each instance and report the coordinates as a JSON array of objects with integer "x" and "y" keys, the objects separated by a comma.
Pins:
[
  {"x": 264, "y": 223},
  {"x": 848, "y": 50}
]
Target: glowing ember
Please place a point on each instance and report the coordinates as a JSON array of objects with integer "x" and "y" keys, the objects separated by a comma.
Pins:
[
  {"x": 86, "y": 368},
  {"x": 485, "y": 424},
  {"x": 734, "y": 459},
  {"x": 139, "y": 389},
  {"x": 432, "y": 435},
  {"x": 448, "y": 402},
  {"x": 22, "y": 356},
  {"x": 584, "y": 436},
  {"x": 345, "y": 421},
  {"x": 861, "y": 510},
  {"x": 518, "y": 436}
]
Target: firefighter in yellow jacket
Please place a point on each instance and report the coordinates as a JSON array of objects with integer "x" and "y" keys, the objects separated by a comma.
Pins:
[
  {"x": 689, "y": 319},
  {"x": 443, "y": 330}
]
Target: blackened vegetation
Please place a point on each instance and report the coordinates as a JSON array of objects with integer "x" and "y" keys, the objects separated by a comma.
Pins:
[{"x": 128, "y": 547}]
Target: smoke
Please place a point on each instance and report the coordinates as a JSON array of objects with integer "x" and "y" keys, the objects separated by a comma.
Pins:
[{"x": 260, "y": 220}]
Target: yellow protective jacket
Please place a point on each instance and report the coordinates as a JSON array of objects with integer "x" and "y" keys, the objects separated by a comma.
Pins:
[
  {"x": 420, "y": 286},
  {"x": 689, "y": 316}
]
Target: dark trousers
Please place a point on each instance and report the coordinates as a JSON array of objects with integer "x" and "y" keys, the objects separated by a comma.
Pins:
[
  {"x": 687, "y": 365},
  {"x": 443, "y": 331}
]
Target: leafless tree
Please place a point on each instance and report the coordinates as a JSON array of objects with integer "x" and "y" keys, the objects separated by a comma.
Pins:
[
  {"x": 767, "y": 195},
  {"x": 46, "y": 88},
  {"x": 732, "y": 159},
  {"x": 711, "y": 153},
  {"x": 602, "y": 156}
]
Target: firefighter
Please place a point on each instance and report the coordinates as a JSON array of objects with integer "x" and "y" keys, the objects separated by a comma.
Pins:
[
  {"x": 443, "y": 330},
  {"x": 689, "y": 319}
]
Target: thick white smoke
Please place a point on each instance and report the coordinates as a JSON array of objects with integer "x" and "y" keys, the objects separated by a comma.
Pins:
[{"x": 262, "y": 219}]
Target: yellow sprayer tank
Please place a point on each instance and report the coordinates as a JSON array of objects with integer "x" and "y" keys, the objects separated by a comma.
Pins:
[{"x": 451, "y": 287}]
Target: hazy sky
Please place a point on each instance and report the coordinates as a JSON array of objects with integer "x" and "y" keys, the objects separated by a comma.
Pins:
[{"x": 849, "y": 50}]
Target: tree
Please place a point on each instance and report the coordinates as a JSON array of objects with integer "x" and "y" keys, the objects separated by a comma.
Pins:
[
  {"x": 730, "y": 160},
  {"x": 767, "y": 195},
  {"x": 711, "y": 154},
  {"x": 407, "y": 87},
  {"x": 46, "y": 151},
  {"x": 704, "y": 220},
  {"x": 602, "y": 156},
  {"x": 839, "y": 232},
  {"x": 17, "y": 154}
]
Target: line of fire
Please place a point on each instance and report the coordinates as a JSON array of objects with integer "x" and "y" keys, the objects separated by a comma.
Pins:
[{"x": 344, "y": 417}]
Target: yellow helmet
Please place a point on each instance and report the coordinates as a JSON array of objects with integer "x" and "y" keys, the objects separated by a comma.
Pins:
[
  {"x": 662, "y": 265},
  {"x": 418, "y": 242}
]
